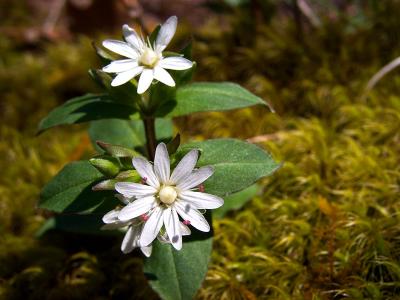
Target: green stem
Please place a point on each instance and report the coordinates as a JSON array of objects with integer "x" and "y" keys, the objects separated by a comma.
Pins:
[{"x": 149, "y": 128}]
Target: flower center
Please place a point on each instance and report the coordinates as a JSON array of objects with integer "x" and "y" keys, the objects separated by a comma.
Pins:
[
  {"x": 167, "y": 194},
  {"x": 149, "y": 58}
]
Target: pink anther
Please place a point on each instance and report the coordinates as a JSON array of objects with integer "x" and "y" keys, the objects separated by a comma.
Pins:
[
  {"x": 144, "y": 217},
  {"x": 186, "y": 222},
  {"x": 143, "y": 180},
  {"x": 201, "y": 188}
]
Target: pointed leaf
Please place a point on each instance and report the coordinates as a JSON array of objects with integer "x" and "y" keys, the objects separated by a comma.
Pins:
[
  {"x": 211, "y": 96},
  {"x": 237, "y": 164},
  {"x": 177, "y": 275},
  {"x": 173, "y": 145},
  {"x": 86, "y": 108},
  {"x": 128, "y": 134},
  {"x": 71, "y": 189}
]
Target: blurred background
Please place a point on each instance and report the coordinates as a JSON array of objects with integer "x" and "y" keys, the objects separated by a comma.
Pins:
[{"x": 325, "y": 226}]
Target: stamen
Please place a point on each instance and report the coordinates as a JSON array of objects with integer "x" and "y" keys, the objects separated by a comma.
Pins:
[
  {"x": 144, "y": 217},
  {"x": 149, "y": 43},
  {"x": 186, "y": 222},
  {"x": 143, "y": 180},
  {"x": 201, "y": 188}
]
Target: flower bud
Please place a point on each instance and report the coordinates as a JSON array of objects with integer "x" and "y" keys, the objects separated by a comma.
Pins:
[
  {"x": 108, "y": 184},
  {"x": 109, "y": 166},
  {"x": 117, "y": 151}
]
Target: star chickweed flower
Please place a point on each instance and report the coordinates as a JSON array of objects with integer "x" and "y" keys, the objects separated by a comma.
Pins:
[
  {"x": 163, "y": 197},
  {"x": 144, "y": 58}
]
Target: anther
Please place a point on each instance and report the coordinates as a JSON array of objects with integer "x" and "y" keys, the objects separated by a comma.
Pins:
[
  {"x": 201, "y": 188},
  {"x": 144, "y": 217},
  {"x": 143, "y": 180},
  {"x": 186, "y": 222}
]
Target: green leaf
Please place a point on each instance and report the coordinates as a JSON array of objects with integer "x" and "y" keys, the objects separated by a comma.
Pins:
[
  {"x": 86, "y": 108},
  {"x": 128, "y": 134},
  {"x": 154, "y": 33},
  {"x": 177, "y": 275},
  {"x": 187, "y": 50},
  {"x": 210, "y": 96},
  {"x": 173, "y": 144},
  {"x": 235, "y": 201},
  {"x": 237, "y": 164},
  {"x": 71, "y": 190}
]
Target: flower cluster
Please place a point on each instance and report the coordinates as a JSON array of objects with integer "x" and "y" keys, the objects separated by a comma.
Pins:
[
  {"x": 145, "y": 58},
  {"x": 164, "y": 204}
]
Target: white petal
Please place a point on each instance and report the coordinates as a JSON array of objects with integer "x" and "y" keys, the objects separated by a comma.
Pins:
[
  {"x": 195, "y": 178},
  {"x": 185, "y": 166},
  {"x": 201, "y": 200},
  {"x": 166, "y": 33},
  {"x": 188, "y": 212},
  {"x": 137, "y": 208},
  {"x": 132, "y": 37},
  {"x": 120, "y": 48},
  {"x": 118, "y": 66},
  {"x": 161, "y": 163},
  {"x": 146, "y": 250},
  {"x": 128, "y": 243},
  {"x": 171, "y": 223},
  {"x": 145, "y": 80},
  {"x": 152, "y": 227},
  {"x": 175, "y": 63},
  {"x": 132, "y": 189},
  {"x": 163, "y": 76},
  {"x": 184, "y": 229},
  {"x": 111, "y": 216},
  {"x": 124, "y": 77},
  {"x": 145, "y": 170}
]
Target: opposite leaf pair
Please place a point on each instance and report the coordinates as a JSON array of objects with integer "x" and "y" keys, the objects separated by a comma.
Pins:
[{"x": 163, "y": 196}]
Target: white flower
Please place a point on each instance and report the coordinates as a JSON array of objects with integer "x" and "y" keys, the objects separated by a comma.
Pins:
[
  {"x": 165, "y": 196},
  {"x": 144, "y": 58}
]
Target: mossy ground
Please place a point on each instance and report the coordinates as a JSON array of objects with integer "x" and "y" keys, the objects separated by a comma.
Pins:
[{"x": 325, "y": 226}]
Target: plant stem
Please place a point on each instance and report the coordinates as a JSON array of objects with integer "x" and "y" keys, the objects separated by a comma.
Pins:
[{"x": 150, "y": 131}]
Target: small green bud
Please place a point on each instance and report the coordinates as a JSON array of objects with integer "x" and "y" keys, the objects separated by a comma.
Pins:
[
  {"x": 108, "y": 184},
  {"x": 117, "y": 151},
  {"x": 109, "y": 166},
  {"x": 129, "y": 175}
]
